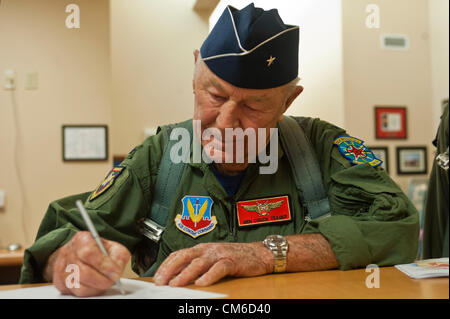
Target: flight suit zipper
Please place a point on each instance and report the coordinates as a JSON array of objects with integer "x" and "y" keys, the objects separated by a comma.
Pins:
[{"x": 233, "y": 218}]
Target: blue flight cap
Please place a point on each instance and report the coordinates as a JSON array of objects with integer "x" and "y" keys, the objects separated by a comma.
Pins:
[{"x": 252, "y": 48}]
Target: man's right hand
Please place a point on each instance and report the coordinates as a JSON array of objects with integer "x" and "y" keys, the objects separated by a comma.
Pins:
[{"x": 97, "y": 271}]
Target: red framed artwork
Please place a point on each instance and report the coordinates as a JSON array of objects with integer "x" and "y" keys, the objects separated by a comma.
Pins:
[{"x": 390, "y": 122}]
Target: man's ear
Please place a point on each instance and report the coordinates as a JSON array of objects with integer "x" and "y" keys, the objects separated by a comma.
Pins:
[
  {"x": 196, "y": 52},
  {"x": 294, "y": 94}
]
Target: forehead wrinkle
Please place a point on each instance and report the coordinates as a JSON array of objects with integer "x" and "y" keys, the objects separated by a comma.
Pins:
[
  {"x": 209, "y": 80},
  {"x": 257, "y": 98},
  {"x": 216, "y": 84}
]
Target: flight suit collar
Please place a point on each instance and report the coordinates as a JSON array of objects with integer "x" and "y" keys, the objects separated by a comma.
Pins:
[
  {"x": 211, "y": 183},
  {"x": 203, "y": 165}
]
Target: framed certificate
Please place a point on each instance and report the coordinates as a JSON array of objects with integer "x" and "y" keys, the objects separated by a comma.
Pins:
[
  {"x": 390, "y": 122},
  {"x": 85, "y": 142}
]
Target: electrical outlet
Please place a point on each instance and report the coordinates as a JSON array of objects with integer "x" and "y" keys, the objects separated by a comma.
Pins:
[{"x": 10, "y": 79}]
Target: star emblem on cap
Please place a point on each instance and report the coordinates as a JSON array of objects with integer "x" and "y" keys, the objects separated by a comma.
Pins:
[{"x": 270, "y": 60}]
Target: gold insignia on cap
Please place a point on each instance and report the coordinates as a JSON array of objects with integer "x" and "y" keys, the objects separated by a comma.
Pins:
[{"x": 270, "y": 60}]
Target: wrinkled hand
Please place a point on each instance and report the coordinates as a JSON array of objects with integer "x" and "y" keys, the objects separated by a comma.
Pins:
[
  {"x": 97, "y": 272},
  {"x": 205, "y": 264}
]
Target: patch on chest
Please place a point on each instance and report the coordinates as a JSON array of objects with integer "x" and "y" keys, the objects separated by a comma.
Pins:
[
  {"x": 263, "y": 211},
  {"x": 196, "y": 219}
]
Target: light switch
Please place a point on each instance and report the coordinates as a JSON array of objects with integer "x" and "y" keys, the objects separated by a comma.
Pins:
[{"x": 31, "y": 81}]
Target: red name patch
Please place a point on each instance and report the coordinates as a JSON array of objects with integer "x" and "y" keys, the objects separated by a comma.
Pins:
[{"x": 264, "y": 210}]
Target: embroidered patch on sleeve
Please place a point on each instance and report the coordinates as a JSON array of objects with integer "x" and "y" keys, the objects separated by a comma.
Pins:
[
  {"x": 263, "y": 211},
  {"x": 107, "y": 183},
  {"x": 355, "y": 151}
]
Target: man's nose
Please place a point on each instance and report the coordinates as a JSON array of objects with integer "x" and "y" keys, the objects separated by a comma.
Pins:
[{"x": 228, "y": 116}]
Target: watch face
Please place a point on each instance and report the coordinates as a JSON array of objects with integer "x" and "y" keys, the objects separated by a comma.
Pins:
[{"x": 276, "y": 240}]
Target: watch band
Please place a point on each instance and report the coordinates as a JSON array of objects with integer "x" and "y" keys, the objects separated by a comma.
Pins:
[
  {"x": 278, "y": 245},
  {"x": 279, "y": 265}
]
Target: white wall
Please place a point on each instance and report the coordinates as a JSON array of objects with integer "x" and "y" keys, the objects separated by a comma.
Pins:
[
  {"x": 152, "y": 64},
  {"x": 73, "y": 88},
  {"x": 320, "y": 53},
  {"x": 373, "y": 76},
  {"x": 438, "y": 24}
]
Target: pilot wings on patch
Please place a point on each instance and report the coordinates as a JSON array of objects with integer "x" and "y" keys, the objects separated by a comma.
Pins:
[{"x": 263, "y": 211}]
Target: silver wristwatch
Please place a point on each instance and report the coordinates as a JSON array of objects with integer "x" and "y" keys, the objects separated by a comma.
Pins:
[{"x": 278, "y": 245}]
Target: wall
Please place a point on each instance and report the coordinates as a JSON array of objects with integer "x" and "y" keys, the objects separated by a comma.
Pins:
[
  {"x": 152, "y": 45},
  {"x": 320, "y": 53},
  {"x": 438, "y": 31},
  {"x": 373, "y": 76},
  {"x": 73, "y": 68}
]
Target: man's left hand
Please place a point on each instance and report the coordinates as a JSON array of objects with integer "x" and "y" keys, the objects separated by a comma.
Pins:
[{"x": 205, "y": 264}]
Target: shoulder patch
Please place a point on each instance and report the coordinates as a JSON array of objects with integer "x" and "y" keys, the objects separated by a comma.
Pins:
[
  {"x": 107, "y": 183},
  {"x": 355, "y": 151}
]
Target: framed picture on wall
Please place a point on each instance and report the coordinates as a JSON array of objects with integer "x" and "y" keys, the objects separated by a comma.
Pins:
[
  {"x": 381, "y": 152},
  {"x": 390, "y": 122},
  {"x": 85, "y": 142},
  {"x": 411, "y": 160}
]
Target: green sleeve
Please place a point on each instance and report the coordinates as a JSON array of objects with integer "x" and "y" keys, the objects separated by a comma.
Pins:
[
  {"x": 115, "y": 212},
  {"x": 436, "y": 222},
  {"x": 372, "y": 221}
]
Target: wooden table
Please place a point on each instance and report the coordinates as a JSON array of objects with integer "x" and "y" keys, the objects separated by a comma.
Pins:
[
  {"x": 11, "y": 258},
  {"x": 10, "y": 265},
  {"x": 334, "y": 284}
]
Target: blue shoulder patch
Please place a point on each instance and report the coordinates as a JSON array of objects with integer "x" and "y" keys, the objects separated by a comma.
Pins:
[{"x": 355, "y": 151}]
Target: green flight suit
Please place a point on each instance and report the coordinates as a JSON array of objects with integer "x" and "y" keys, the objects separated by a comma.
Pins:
[
  {"x": 371, "y": 220},
  {"x": 435, "y": 229}
]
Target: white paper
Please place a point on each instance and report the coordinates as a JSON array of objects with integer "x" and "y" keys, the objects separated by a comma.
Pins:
[
  {"x": 428, "y": 268},
  {"x": 135, "y": 289}
]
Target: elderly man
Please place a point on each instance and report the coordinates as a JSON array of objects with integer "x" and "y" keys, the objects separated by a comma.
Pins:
[{"x": 327, "y": 205}]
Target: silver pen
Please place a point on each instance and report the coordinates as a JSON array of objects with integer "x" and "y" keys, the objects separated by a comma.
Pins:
[{"x": 94, "y": 234}]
